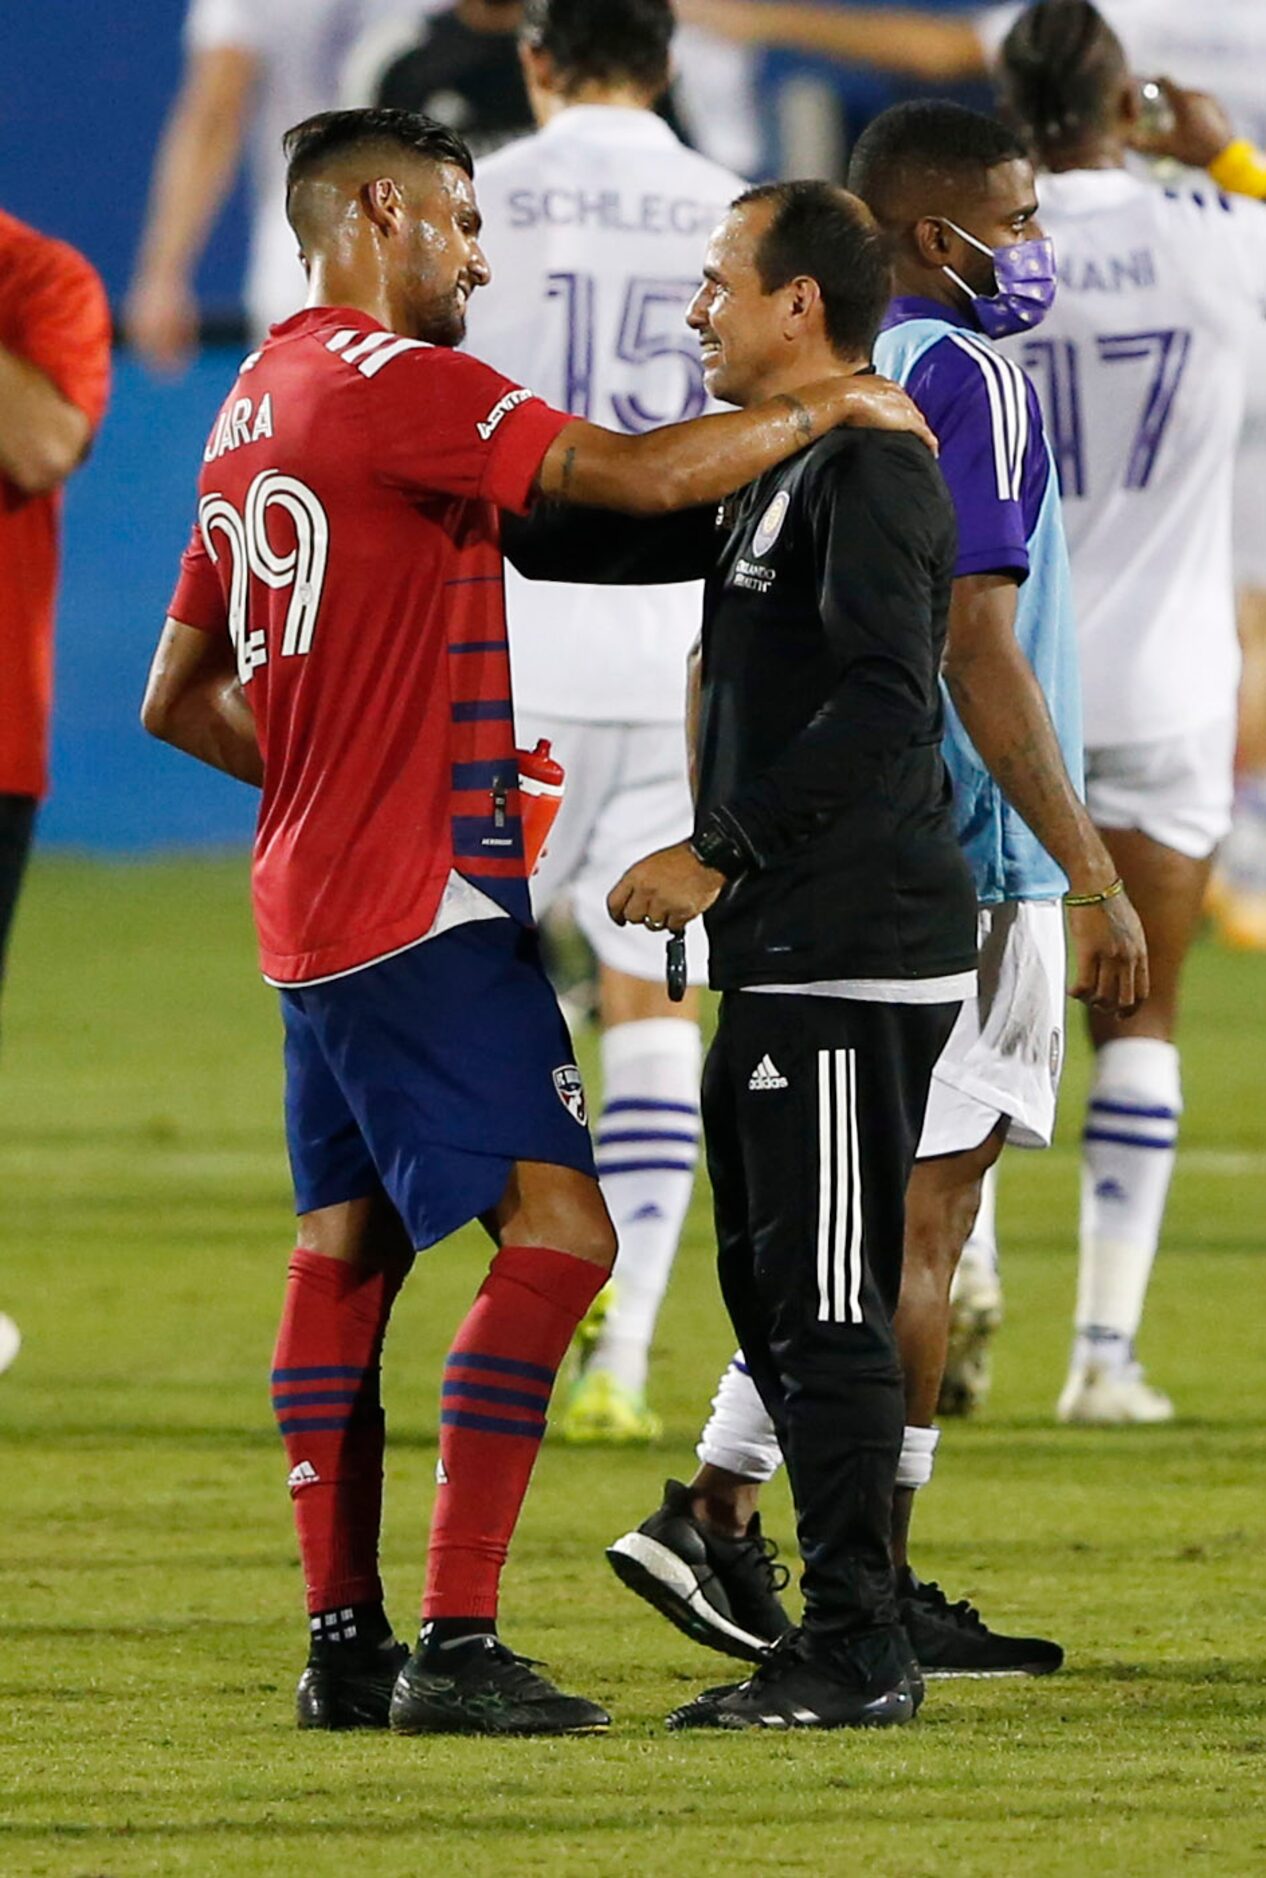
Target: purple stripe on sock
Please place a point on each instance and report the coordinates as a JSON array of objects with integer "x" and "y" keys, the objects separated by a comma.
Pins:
[
  {"x": 607, "y": 1136},
  {"x": 630, "y": 1102},
  {"x": 499, "y": 1365},
  {"x": 322, "y": 1374},
  {"x": 313, "y": 1428},
  {"x": 607, "y": 1168},
  {"x": 1127, "y": 1141},
  {"x": 282, "y": 1399},
  {"x": 488, "y": 1392},
  {"x": 491, "y": 1424},
  {"x": 1128, "y": 1108}
]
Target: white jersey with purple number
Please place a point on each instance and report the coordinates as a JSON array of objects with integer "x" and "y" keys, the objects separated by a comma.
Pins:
[
  {"x": 1141, "y": 367},
  {"x": 595, "y": 229}
]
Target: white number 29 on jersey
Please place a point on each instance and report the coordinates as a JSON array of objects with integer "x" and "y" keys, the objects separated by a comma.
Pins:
[{"x": 301, "y": 568}]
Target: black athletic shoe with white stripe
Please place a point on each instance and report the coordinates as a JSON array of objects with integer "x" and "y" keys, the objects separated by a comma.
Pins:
[
  {"x": 954, "y": 1640},
  {"x": 483, "y": 1688},
  {"x": 722, "y": 1592},
  {"x": 801, "y": 1685},
  {"x": 348, "y": 1687}
]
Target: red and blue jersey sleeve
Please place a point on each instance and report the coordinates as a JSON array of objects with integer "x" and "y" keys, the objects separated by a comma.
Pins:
[
  {"x": 446, "y": 424},
  {"x": 978, "y": 404}
]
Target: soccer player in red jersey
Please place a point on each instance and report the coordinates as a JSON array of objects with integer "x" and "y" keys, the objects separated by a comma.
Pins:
[
  {"x": 54, "y": 381},
  {"x": 337, "y": 637}
]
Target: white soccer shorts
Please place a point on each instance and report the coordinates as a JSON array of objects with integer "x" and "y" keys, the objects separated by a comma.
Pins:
[
  {"x": 1006, "y": 1050},
  {"x": 626, "y": 794},
  {"x": 1178, "y": 790}
]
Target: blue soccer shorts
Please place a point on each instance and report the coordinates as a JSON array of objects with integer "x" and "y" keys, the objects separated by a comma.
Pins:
[{"x": 429, "y": 1075}]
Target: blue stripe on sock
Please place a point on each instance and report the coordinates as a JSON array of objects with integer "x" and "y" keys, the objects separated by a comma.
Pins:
[
  {"x": 491, "y": 1424},
  {"x": 742, "y": 1368},
  {"x": 488, "y": 1392},
  {"x": 636, "y": 1102},
  {"x": 325, "y": 1373},
  {"x": 312, "y": 1397},
  {"x": 1128, "y": 1108},
  {"x": 500, "y": 1365},
  {"x": 313, "y": 1428},
  {"x": 606, "y": 1168},
  {"x": 1127, "y": 1141},
  {"x": 607, "y": 1137}
]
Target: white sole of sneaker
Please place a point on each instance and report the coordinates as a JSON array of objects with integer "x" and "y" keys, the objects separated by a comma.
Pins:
[{"x": 665, "y": 1581}]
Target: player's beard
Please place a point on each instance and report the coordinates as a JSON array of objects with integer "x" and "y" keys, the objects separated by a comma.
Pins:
[{"x": 445, "y": 320}]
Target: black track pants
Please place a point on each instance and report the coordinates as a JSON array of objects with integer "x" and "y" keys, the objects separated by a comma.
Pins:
[{"x": 812, "y": 1109}]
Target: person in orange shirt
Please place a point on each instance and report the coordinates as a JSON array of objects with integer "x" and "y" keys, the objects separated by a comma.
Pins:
[{"x": 54, "y": 380}]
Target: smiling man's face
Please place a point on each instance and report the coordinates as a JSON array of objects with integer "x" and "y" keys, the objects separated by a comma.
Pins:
[
  {"x": 446, "y": 263},
  {"x": 740, "y": 326}
]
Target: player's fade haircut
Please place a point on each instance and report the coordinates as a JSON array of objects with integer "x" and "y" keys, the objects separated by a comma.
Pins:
[
  {"x": 1060, "y": 70},
  {"x": 819, "y": 230},
  {"x": 911, "y": 145},
  {"x": 324, "y": 140},
  {"x": 607, "y": 41}
]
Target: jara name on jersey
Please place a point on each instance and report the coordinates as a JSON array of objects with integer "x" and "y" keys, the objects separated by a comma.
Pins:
[{"x": 240, "y": 423}]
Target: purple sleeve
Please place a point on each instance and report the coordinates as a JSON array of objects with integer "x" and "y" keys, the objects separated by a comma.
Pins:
[{"x": 979, "y": 405}]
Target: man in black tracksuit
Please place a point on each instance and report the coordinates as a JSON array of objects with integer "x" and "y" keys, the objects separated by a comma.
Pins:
[{"x": 840, "y": 915}]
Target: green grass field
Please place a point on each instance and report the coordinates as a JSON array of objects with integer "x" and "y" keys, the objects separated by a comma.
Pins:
[{"x": 151, "y": 1626}]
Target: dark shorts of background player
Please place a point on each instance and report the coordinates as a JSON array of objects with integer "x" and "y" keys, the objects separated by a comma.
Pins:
[
  {"x": 812, "y": 1110},
  {"x": 430, "y": 1074},
  {"x": 17, "y": 832}
]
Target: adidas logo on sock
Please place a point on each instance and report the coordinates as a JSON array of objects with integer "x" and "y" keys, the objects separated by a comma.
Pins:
[
  {"x": 302, "y": 1474},
  {"x": 441, "y": 1474},
  {"x": 766, "y": 1075}
]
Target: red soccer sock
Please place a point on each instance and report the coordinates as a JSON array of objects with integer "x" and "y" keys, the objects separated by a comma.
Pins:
[
  {"x": 325, "y": 1396},
  {"x": 497, "y": 1383}
]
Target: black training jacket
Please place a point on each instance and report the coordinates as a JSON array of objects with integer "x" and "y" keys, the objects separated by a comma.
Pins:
[{"x": 824, "y": 618}]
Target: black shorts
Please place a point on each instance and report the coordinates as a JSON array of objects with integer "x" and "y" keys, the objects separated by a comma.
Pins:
[{"x": 17, "y": 830}]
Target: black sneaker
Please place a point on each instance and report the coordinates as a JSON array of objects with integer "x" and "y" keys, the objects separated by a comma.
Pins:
[
  {"x": 863, "y": 1685},
  {"x": 722, "y": 1592},
  {"x": 349, "y": 1688},
  {"x": 482, "y": 1688},
  {"x": 954, "y": 1640}
]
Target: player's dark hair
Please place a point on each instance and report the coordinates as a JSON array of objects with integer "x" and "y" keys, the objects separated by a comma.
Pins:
[
  {"x": 610, "y": 41},
  {"x": 910, "y": 144},
  {"x": 309, "y": 146},
  {"x": 1059, "y": 73},
  {"x": 819, "y": 230}
]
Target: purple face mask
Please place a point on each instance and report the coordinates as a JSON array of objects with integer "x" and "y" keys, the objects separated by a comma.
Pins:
[{"x": 1026, "y": 280}]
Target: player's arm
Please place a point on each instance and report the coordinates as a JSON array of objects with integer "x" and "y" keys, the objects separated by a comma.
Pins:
[
  {"x": 193, "y": 701},
  {"x": 43, "y": 436},
  {"x": 868, "y": 518},
  {"x": 685, "y": 465},
  {"x": 599, "y": 547},
  {"x": 1004, "y": 713},
  {"x": 1200, "y": 133},
  {"x": 196, "y": 161},
  {"x": 924, "y": 45},
  {"x": 694, "y": 708}
]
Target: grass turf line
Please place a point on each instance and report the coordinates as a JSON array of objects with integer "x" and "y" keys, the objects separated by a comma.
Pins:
[{"x": 150, "y": 1600}]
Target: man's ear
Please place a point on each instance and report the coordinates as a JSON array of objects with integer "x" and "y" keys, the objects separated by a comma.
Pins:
[
  {"x": 803, "y": 296},
  {"x": 1129, "y": 105},
  {"x": 931, "y": 238},
  {"x": 383, "y": 203}
]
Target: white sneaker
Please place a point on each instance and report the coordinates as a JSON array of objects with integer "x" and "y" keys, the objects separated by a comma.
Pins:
[
  {"x": 10, "y": 1341},
  {"x": 975, "y": 1314},
  {"x": 1111, "y": 1397}
]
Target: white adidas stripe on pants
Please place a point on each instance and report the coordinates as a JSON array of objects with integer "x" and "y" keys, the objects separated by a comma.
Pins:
[{"x": 839, "y": 1190}]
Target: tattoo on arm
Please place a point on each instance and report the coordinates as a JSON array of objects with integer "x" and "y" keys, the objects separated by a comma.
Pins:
[
  {"x": 801, "y": 416},
  {"x": 569, "y": 465}
]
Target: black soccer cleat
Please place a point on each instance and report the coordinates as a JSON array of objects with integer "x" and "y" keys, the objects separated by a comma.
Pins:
[
  {"x": 349, "y": 1688},
  {"x": 859, "y": 1685},
  {"x": 482, "y": 1688},
  {"x": 722, "y": 1592},
  {"x": 954, "y": 1640}
]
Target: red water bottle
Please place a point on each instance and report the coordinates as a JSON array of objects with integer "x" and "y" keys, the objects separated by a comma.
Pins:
[{"x": 541, "y": 781}]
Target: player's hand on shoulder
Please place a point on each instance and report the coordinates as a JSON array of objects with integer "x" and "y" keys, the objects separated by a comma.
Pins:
[
  {"x": 1110, "y": 956},
  {"x": 665, "y": 891},
  {"x": 874, "y": 403}
]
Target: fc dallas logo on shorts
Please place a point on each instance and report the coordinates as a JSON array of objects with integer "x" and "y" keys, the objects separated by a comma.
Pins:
[{"x": 571, "y": 1092}]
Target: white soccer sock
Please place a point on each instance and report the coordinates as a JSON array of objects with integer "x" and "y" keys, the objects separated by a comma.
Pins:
[
  {"x": 1128, "y": 1153},
  {"x": 981, "y": 1249},
  {"x": 648, "y": 1143},
  {"x": 918, "y": 1454},
  {"x": 739, "y": 1435}
]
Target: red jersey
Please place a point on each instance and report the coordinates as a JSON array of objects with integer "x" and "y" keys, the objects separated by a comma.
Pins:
[
  {"x": 53, "y": 315},
  {"x": 347, "y": 540}
]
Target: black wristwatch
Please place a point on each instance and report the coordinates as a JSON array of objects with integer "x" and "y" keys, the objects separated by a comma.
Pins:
[{"x": 715, "y": 846}]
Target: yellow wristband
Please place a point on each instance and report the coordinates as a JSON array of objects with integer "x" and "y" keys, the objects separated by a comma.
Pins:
[
  {"x": 1241, "y": 168},
  {"x": 1096, "y": 899}
]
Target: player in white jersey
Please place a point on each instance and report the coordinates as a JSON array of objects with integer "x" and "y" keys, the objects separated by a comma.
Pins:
[
  {"x": 596, "y": 227},
  {"x": 252, "y": 69},
  {"x": 1142, "y": 369}
]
